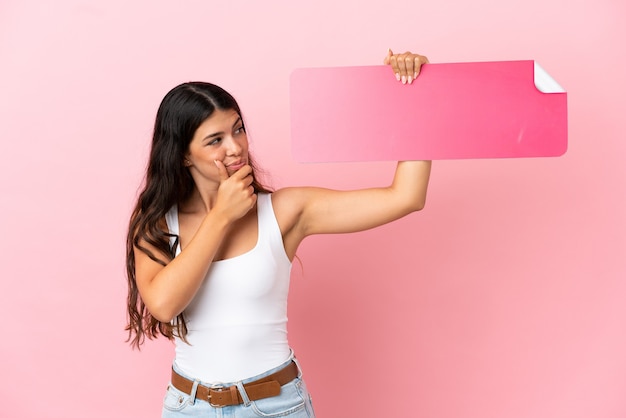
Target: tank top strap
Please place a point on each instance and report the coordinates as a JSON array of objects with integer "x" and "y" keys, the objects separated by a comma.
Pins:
[
  {"x": 268, "y": 226},
  {"x": 263, "y": 210},
  {"x": 269, "y": 230},
  {"x": 171, "y": 218}
]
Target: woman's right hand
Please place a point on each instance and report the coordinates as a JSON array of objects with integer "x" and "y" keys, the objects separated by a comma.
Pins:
[
  {"x": 405, "y": 66},
  {"x": 235, "y": 196}
]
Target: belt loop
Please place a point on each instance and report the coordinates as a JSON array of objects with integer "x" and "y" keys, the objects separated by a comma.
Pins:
[
  {"x": 243, "y": 393},
  {"x": 292, "y": 357},
  {"x": 295, "y": 360},
  {"x": 192, "y": 395}
]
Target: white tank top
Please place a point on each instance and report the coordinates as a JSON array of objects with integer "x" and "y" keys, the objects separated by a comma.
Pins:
[{"x": 237, "y": 322}]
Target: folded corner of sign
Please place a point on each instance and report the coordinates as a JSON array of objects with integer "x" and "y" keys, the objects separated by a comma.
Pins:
[{"x": 544, "y": 81}]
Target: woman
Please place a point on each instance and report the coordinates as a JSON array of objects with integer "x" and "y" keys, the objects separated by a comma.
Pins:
[{"x": 209, "y": 253}]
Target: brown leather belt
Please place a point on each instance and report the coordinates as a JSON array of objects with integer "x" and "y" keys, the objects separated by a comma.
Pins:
[{"x": 266, "y": 387}]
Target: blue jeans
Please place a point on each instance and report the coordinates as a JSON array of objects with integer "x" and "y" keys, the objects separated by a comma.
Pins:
[{"x": 294, "y": 401}]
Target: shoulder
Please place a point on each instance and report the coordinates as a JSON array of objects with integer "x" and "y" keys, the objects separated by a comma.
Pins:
[
  {"x": 294, "y": 205},
  {"x": 291, "y": 199},
  {"x": 286, "y": 199},
  {"x": 288, "y": 204}
]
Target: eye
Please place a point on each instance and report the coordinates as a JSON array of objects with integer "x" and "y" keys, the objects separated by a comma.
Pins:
[
  {"x": 215, "y": 141},
  {"x": 239, "y": 130}
]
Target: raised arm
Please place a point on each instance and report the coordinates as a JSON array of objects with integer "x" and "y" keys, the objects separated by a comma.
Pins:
[
  {"x": 306, "y": 211},
  {"x": 324, "y": 211}
]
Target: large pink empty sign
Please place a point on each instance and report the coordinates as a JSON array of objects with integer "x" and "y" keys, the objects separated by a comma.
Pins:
[{"x": 461, "y": 110}]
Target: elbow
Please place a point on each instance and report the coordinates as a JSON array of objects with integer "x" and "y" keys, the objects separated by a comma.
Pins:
[
  {"x": 162, "y": 303},
  {"x": 419, "y": 206},
  {"x": 416, "y": 204},
  {"x": 163, "y": 317},
  {"x": 416, "y": 207},
  {"x": 163, "y": 312},
  {"x": 409, "y": 205}
]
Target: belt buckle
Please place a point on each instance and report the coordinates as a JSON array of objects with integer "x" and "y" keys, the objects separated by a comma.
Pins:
[{"x": 217, "y": 388}]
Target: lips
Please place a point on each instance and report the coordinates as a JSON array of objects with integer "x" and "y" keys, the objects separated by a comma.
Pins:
[{"x": 234, "y": 166}]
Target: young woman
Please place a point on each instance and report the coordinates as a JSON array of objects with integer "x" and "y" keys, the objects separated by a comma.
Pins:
[{"x": 209, "y": 254}]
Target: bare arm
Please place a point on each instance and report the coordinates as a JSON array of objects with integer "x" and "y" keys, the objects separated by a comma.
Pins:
[
  {"x": 307, "y": 211},
  {"x": 329, "y": 211},
  {"x": 167, "y": 290},
  {"x": 312, "y": 210}
]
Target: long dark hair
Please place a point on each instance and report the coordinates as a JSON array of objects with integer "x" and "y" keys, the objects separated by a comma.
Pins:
[{"x": 168, "y": 182}]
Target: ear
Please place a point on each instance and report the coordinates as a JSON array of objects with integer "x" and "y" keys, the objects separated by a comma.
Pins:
[{"x": 186, "y": 161}]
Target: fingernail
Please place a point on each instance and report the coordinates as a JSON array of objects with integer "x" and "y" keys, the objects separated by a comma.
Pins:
[
  {"x": 403, "y": 79},
  {"x": 398, "y": 76},
  {"x": 415, "y": 75},
  {"x": 410, "y": 80}
]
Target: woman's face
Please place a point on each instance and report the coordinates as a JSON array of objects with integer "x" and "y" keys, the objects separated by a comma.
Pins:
[{"x": 220, "y": 137}]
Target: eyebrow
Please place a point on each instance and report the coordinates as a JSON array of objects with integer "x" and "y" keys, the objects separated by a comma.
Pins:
[{"x": 213, "y": 135}]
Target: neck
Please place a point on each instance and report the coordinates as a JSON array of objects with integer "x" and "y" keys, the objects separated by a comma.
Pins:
[{"x": 200, "y": 201}]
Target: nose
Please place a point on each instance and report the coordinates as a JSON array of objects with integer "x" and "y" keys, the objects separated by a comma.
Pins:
[{"x": 233, "y": 147}]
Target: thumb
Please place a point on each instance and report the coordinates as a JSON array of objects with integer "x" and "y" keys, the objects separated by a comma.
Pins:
[
  {"x": 387, "y": 59},
  {"x": 221, "y": 169}
]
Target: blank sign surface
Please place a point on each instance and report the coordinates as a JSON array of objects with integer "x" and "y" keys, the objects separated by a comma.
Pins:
[{"x": 505, "y": 109}]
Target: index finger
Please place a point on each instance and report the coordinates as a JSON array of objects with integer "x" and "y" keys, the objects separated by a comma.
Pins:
[
  {"x": 244, "y": 171},
  {"x": 221, "y": 169}
]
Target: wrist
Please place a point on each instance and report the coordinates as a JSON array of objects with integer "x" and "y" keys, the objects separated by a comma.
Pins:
[{"x": 217, "y": 220}]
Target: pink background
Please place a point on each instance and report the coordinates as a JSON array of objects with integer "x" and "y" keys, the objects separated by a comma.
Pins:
[{"x": 503, "y": 298}]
